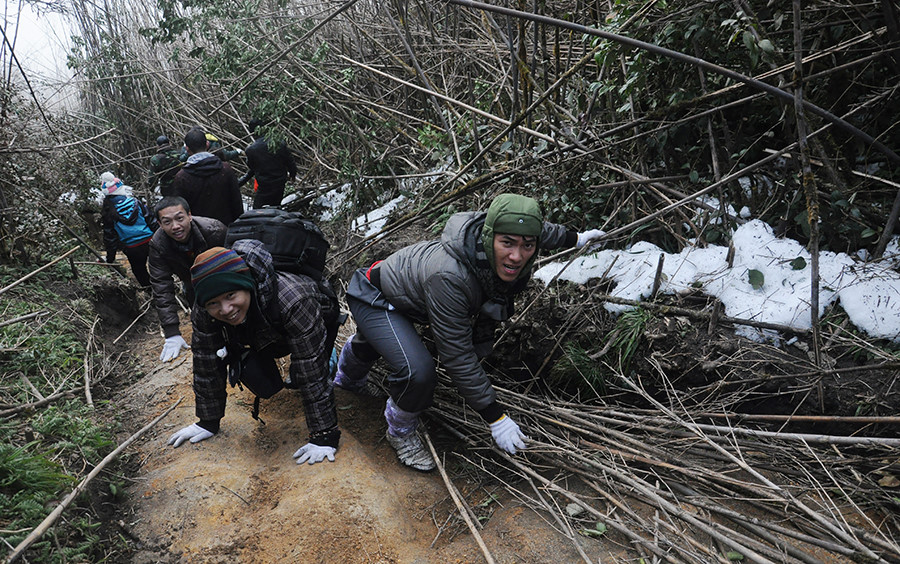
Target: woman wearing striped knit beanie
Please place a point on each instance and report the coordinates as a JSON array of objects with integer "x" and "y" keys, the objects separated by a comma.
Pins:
[
  {"x": 243, "y": 303},
  {"x": 223, "y": 284}
]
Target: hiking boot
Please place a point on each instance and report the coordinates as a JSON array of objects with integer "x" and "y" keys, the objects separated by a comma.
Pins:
[{"x": 412, "y": 452}]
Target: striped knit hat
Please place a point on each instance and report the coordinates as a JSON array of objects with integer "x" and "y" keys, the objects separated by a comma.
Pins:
[{"x": 219, "y": 270}]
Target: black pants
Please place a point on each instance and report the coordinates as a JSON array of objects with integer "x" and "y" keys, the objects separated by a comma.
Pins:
[
  {"x": 268, "y": 195},
  {"x": 137, "y": 258}
]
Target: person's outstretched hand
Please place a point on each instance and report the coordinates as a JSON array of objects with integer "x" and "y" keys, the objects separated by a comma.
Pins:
[
  {"x": 195, "y": 433},
  {"x": 507, "y": 435},
  {"x": 172, "y": 348},
  {"x": 313, "y": 453},
  {"x": 586, "y": 236}
]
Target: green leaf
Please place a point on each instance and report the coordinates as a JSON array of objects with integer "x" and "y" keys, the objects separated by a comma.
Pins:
[
  {"x": 868, "y": 233},
  {"x": 798, "y": 263},
  {"x": 748, "y": 40},
  {"x": 766, "y": 46},
  {"x": 599, "y": 531},
  {"x": 756, "y": 279},
  {"x": 779, "y": 20},
  {"x": 734, "y": 555},
  {"x": 694, "y": 176}
]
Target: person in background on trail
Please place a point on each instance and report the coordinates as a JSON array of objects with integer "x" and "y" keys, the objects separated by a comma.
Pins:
[
  {"x": 164, "y": 166},
  {"x": 242, "y": 301},
  {"x": 209, "y": 185},
  {"x": 271, "y": 164},
  {"x": 127, "y": 225},
  {"x": 215, "y": 147},
  {"x": 173, "y": 248},
  {"x": 482, "y": 261}
]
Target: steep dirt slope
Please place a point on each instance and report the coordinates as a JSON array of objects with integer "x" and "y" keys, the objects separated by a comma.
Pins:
[{"x": 239, "y": 497}]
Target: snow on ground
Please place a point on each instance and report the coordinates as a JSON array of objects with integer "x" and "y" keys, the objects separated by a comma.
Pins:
[
  {"x": 869, "y": 293},
  {"x": 374, "y": 221}
]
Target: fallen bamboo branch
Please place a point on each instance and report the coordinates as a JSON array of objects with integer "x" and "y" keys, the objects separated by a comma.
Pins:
[
  {"x": 50, "y": 519},
  {"x": 804, "y": 437},
  {"x": 462, "y": 510},
  {"x": 76, "y": 235},
  {"x": 8, "y": 150},
  {"x": 87, "y": 364},
  {"x": 37, "y": 393},
  {"x": 99, "y": 263},
  {"x": 41, "y": 269},
  {"x": 856, "y": 419},
  {"x": 39, "y": 403},
  {"x": 22, "y": 318},
  {"x": 136, "y": 319}
]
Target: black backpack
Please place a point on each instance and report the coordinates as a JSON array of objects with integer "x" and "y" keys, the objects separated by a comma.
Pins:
[{"x": 297, "y": 245}]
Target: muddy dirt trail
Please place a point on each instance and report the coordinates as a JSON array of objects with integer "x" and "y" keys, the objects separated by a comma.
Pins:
[{"x": 240, "y": 497}]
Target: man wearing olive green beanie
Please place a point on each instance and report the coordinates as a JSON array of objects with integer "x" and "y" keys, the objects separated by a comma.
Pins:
[{"x": 473, "y": 273}]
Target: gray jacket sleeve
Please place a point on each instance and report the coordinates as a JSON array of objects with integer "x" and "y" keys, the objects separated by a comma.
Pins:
[{"x": 556, "y": 236}]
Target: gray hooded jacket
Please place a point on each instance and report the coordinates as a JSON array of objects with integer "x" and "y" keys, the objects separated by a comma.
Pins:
[{"x": 434, "y": 282}]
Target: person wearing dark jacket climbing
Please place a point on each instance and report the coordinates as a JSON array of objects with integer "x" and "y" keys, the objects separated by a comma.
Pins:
[
  {"x": 164, "y": 166},
  {"x": 243, "y": 302},
  {"x": 473, "y": 273},
  {"x": 127, "y": 225},
  {"x": 173, "y": 248},
  {"x": 215, "y": 147},
  {"x": 209, "y": 185},
  {"x": 271, "y": 165}
]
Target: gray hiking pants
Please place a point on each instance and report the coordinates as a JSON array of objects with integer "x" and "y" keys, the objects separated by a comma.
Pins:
[{"x": 381, "y": 331}]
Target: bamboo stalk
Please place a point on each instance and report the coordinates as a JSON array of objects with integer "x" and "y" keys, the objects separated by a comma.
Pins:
[
  {"x": 451, "y": 489},
  {"x": 22, "y": 318},
  {"x": 39, "y": 403},
  {"x": 39, "y": 270}
]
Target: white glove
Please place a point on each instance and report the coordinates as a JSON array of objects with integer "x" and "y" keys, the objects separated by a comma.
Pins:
[
  {"x": 585, "y": 237},
  {"x": 314, "y": 453},
  {"x": 172, "y": 348},
  {"x": 507, "y": 435},
  {"x": 194, "y": 432}
]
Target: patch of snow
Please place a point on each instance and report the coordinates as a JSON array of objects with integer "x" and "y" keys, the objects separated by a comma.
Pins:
[
  {"x": 333, "y": 201},
  {"x": 374, "y": 221},
  {"x": 869, "y": 293}
]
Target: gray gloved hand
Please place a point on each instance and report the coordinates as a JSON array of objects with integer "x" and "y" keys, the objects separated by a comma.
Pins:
[
  {"x": 172, "y": 348},
  {"x": 586, "y": 236},
  {"x": 313, "y": 453},
  {"x": 195, "y": 433},
  {"x": 507, "y": 435}
]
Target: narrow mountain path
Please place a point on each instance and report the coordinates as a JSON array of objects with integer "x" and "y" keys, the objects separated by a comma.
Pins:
[{"x": 239, "y": 497}]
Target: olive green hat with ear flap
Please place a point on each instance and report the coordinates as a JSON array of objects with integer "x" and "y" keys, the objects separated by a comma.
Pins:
[{"x": 512, "y": 214}]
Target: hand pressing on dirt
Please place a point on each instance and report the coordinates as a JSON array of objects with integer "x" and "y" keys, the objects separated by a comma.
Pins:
[
  {"x": 507, "y": 435},
  {"x": 313, "y": 453},
  {"x": 172, "y": 348},
  {"x": 195, "y": 433}
]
